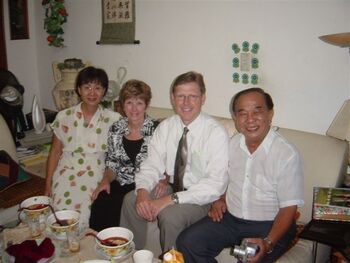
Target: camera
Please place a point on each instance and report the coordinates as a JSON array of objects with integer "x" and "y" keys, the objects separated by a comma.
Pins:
[{"x": 244, "y": 251}]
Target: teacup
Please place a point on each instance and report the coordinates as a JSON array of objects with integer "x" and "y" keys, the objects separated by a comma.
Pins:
[
  {"x": 35, "y": 207},
  {"x": 143, "y": 256}
]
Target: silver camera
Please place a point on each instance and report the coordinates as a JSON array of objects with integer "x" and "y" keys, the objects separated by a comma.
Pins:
[{"x": 244, "y": 251}]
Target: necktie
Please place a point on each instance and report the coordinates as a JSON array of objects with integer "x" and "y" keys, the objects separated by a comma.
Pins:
[{"x": 180, "y": 162}]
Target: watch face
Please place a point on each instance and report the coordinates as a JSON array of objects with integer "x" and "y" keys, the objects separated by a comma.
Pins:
[{"x": 174, "y": 198}]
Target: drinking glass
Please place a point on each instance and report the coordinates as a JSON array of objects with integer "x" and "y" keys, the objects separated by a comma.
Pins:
[
  {"x": 34, "y": 227},
  {"x": 73, "y": 237}
]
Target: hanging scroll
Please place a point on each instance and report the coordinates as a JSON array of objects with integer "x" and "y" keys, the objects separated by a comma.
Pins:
[{"x": 118, "y": 22}]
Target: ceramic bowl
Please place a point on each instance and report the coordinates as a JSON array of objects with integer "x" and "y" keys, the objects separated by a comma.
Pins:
[
  {"x": 59, "y": 231},
  {"x": 117, "y": 250},
  {"x": 36, "y": 206}
]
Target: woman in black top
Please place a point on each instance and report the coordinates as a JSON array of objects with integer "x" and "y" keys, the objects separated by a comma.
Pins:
[{"x": 128, "y": 140}]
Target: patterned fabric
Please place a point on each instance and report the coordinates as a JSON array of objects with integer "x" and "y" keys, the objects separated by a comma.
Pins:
[
  {"x": 117, "y": 159},
  {"x": 81, "y": 165},
  {"x": 10, "y": 172}
]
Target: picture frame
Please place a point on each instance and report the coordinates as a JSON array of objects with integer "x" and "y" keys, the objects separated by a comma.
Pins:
[{"x": 18, "y": 14}]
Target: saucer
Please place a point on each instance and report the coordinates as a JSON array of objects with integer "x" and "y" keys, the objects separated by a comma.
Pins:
[
  {"x": 123, "y": 255},
  {"x": 96, "y": 261}
]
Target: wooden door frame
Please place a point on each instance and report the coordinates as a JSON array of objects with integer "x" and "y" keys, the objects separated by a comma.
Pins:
[{"x": 3, "y": 57}]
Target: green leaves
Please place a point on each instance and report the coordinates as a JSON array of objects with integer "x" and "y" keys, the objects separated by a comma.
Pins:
[{"x": 55, "y": 16}]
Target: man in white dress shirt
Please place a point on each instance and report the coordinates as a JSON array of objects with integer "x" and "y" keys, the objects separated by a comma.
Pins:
[
  {"x": 265, "y": 188},
  {"x": 205, "y": 178}
]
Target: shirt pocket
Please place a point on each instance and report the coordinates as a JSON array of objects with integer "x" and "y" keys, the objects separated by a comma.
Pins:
[{"x": 196, "y": 164}]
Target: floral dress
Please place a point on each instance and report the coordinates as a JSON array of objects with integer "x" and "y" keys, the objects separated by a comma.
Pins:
[{"x": 82, "y": 162}]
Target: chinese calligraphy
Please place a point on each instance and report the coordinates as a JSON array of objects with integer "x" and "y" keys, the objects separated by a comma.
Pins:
[{"x": 118, "y": 11}]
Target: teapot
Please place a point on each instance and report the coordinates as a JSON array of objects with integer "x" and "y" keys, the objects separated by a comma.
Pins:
[{"x": 64, "y": 75}]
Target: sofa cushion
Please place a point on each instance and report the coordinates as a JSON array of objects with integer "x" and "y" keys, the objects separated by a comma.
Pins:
[{"x": 10, "y": 172}]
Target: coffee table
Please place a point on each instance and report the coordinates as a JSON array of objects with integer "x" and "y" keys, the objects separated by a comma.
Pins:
[{"x": 87, "y": 247}]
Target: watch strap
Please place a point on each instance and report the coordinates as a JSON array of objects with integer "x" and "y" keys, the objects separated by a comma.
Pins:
[
  {"x": 174, "y": 198},
  {"x": 270, "y": 244}
]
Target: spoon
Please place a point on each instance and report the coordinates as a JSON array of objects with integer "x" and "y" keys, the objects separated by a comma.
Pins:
[
  {"x": 103, "y": 242},
  {"x": 59, "y": 221}
]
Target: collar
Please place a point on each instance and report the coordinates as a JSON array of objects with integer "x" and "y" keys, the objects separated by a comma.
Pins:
[
  {"x": 146, "y": 129},
  {"x": 194, "y": 124},
  {"x": 265, "y": 145}
]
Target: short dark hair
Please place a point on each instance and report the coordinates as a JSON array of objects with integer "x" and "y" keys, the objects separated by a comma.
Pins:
[
  {"x": 92, "y": 75},
  {"x": 187, "y": 77},
  {"x": 135, "y": 88},
  {"x": 267, "y": 97}
]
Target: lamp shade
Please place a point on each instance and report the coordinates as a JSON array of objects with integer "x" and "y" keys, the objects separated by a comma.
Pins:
[
  {"x": 340, "y": 127},
  {"x": 341, "y": 39}
]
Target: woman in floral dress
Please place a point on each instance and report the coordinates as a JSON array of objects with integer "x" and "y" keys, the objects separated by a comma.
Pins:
[{"x": 77, "y": 157}]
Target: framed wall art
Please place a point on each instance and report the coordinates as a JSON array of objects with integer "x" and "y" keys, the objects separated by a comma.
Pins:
[{"x": 18, "y": 10}]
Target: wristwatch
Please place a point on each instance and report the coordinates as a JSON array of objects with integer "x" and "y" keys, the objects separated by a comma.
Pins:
[
  {"x": 174, "y": 198},
  {"x": 269, "y": 243}
]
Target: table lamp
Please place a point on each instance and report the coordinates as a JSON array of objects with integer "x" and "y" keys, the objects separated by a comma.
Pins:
[{"x": 340, "y": 126}]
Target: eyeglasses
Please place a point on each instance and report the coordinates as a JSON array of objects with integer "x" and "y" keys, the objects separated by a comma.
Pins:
[
  {"x": 88, "y": 88},
  {"x": 191, "y": 98}
]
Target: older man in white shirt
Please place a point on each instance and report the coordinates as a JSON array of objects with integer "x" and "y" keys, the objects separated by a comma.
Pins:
[
  {"x": 265, "y": 188},
  {"x": 205, "y": 170}
]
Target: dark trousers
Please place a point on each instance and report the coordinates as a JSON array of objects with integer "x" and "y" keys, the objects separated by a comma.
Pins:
[
  {"x": 204, "y": 240},
  {"x": 105, "y": 210}
]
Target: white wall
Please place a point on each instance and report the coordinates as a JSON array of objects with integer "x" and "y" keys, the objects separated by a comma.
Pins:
[
  {"x": 307, "y": 78},
  {"x": 22, "y": 56}
]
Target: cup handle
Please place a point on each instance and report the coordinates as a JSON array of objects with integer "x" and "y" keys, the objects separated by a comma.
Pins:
[{"x": 20, "y": 217}]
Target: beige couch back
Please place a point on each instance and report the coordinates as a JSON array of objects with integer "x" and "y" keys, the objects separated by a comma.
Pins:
[{"x": 325, "y": 158}]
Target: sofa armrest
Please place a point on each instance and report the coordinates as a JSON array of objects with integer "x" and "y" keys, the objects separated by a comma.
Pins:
[{"x": 325, "y": 162}]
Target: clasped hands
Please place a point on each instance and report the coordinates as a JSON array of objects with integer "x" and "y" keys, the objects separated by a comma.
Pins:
[{"x": 149, "y": 208}]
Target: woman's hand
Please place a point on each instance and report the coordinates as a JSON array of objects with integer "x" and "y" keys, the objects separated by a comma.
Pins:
[
  {"x": 48, "y": 189},
  {"x": 52, "y": 162},
  {"x": 103, "y": 186},
  {"x": 161, "y": 188}
]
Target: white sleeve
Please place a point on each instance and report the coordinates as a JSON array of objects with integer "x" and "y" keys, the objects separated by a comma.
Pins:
[{"x": 153, "y": 167}]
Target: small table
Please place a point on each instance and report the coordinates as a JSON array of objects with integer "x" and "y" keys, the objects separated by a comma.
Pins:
[
  {"x": 332, "y": 233},
  {"x": 87, "y": 246}
]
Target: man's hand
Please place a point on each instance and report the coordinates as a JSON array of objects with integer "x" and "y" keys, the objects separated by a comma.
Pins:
[
  {"x": 103, "y": 186},
  {"x": 160, "y": 203},
  {"x": 217, "y": 209},
  {"x": 263, "y": 249},
  {"x": 144, "y": 205}
]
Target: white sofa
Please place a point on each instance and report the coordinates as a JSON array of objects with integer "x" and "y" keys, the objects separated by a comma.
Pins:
[{"x": 325, "y": 162}]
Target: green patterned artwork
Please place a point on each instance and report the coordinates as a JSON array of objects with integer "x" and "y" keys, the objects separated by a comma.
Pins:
[{"x": 245, "y": 63}]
